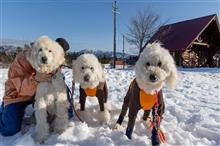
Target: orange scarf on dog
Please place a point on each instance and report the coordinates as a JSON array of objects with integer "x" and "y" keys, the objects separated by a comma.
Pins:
[
  {"x": 147, "y": 101},
  {"x": 90, "y": 92}
]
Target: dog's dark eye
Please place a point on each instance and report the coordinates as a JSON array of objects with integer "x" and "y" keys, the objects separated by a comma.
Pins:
[
  {"x": 40, "y": 49},
  {"x": 147, "y": 64},
  {"x": 82, "y": 68},
  {"x": 159, "y": 64},
  {"x": 92, "y": 68},
  {"x": 49, "y": 51}
]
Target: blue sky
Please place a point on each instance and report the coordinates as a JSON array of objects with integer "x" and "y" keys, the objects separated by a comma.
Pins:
[{"x": 89, "y": 24}]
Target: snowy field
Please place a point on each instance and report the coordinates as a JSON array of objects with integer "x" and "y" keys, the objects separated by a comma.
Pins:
[{"x": 192, "y": 114}]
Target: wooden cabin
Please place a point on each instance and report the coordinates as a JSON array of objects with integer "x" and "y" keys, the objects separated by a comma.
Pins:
[
  {"x": 119, "y": 63},
  {"x": 192, "y": 43}
]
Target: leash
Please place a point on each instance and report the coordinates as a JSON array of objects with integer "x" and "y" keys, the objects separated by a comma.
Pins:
[
  {"x": 71, "y": 100},
  {"x": 155, "y": 123}
]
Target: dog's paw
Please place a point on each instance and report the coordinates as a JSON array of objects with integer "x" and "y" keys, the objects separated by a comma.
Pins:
[
  {"x": 41, "y": 132},
  {"x": 105, "y": 117},
  {"x": 39, "y": 138},
  {"x": 129, "y": 132},
  {"x": 117, "y": 127},
  {"x": 60, "y": 125},
  {"x": 59, "y": 130},
  {"x": 108, "y": 106}
]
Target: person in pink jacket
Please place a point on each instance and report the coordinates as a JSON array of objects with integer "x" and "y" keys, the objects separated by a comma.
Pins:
[{"x": 20, "y": 88}]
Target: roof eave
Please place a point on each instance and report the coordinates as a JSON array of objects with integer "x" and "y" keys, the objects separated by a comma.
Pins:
[{"x": 213, "y": 19}]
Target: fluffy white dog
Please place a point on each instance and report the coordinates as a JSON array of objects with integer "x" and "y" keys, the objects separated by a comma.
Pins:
[
  {"x": 154, "y": 67},
  {"x": 51, "y": 103},
  {"x": 89, "y": 73}
]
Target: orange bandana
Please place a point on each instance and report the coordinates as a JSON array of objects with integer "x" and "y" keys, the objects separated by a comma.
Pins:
[
  {"x": 90, "y": 92},
  {"x": 147, "y": 101}
]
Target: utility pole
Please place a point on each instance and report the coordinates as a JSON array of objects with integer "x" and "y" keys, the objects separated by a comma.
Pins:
[
  {"x": 123, "y": 51},
  {"x": 114, "y": 10}
]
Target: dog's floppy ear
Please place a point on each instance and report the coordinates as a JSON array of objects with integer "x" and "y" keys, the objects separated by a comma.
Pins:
[
  {"x": 171, "y": 79},
  {"x": 29, "y": 54},
  {"x": 28, "y": 50}
]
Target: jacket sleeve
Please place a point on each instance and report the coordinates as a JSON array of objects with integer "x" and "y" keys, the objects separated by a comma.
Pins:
[{"x": 28, "y": 86}]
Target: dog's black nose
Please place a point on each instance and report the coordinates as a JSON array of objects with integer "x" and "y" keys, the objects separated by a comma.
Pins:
[
  {"x": 44, "y": 60},
  {"x": 153, "y": 78},
  {"x": 86, "y": 77}
]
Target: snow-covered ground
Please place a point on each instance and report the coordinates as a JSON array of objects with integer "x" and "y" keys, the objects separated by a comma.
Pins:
[{"x": 192, "y": 114}]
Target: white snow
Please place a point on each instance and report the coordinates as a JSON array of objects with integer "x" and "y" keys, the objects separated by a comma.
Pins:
[{"x": 192, "y": 115}]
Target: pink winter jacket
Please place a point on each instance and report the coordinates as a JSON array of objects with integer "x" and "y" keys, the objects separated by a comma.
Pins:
[{"x": 20, "y": 85}]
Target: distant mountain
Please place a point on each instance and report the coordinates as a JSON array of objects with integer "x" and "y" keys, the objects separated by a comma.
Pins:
[
  {"x": 1, "y": 49},
  {"x": 10, "y": 45},
  {"x": 13, "y": 42},
  {"x": 8, "y": 49},
  {"x": 100, "y": 53}
]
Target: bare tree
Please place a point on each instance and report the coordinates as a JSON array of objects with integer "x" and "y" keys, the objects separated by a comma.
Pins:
[{"x": 142, "y": 27}]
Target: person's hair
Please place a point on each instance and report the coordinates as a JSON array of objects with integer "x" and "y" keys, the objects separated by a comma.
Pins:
[{"x": 63, "y": 43}]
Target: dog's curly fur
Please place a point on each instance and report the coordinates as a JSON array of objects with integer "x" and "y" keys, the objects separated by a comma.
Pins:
[
  {"x": 154, "y": 67},
  {"x": 88, "y": 65},
  {"x": 157, "y": 61},
  {"x": 51, "y": 97}
]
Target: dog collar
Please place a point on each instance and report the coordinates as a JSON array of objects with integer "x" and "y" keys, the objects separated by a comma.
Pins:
[{"x": 53, "y": 73}]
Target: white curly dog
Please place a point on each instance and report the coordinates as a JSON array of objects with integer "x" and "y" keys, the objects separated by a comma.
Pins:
[
  {"x": 51, "y": 104},
  {"x": 155, "y": 62},
  {"x": 89, "y": 73},
  {"x": 154, "y": 68}
]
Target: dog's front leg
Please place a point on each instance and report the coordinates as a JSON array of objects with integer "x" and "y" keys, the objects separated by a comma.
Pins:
[
  {"x": 82, "y": 99},
  {"x": 101, "y": 103},
  {"x": 131, "y": 121},
  {"x": 104, "y": 115},
  {"x": 42, "y": 128},
  {"x": 61, "y": 119}
]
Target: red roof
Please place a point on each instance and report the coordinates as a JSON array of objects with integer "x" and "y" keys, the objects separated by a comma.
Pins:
[{"x": 180, "y": 35}]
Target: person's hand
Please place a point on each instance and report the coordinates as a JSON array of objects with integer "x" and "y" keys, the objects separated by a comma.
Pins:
[{"x": 42, "y": 77}]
